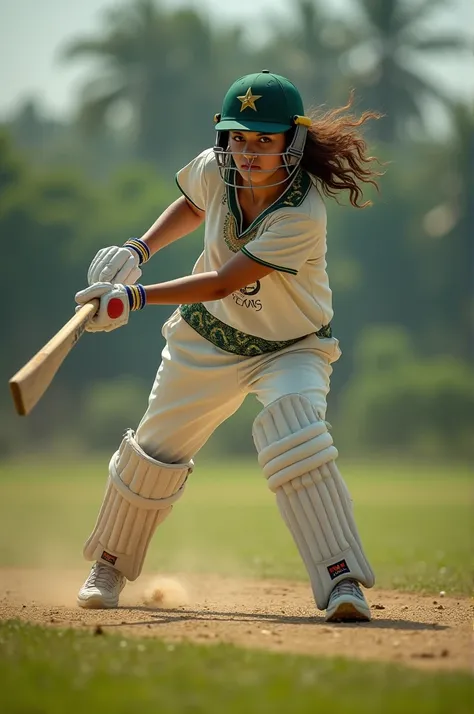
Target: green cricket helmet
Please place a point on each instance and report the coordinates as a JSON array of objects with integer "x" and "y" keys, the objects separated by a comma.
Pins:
[{"x": 262, "y": 102}]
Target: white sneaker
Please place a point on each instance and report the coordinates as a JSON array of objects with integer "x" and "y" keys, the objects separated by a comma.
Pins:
[
  {"x": 102, "y": 588},
  {"x": 347, "y": 603}
]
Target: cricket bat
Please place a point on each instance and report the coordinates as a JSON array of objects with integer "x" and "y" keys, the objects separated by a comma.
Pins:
[{"x": 29, "y": 384}]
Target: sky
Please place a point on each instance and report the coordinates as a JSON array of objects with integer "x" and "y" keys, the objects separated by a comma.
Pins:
[{"x": 32, "y": 33}]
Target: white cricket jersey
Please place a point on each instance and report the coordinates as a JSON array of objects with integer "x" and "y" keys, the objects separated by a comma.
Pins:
[{"x": 290, "y": 236}]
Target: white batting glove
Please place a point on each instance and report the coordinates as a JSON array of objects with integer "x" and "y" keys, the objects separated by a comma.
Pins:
[
  {"x": 119, "y": 264},
  {"x": 116, "y": 302}
]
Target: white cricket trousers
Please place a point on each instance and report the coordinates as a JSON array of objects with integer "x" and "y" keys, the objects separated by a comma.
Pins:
[{"x": 198, "y": 386}]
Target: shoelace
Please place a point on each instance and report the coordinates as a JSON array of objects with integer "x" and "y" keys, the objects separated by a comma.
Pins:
[
  {"x": 103, "y": 575},
  {"x": 347, "y": 587}
]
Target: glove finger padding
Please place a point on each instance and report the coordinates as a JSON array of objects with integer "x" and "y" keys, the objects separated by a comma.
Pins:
[
  {"x": 297, "y": 455},
  {"x": 93, "y": 291},
  {"x": 101, "y": 258},
  {"x": 114, "y": 306},
  {"x": 111, "y": 268},
  {"x": 129, "y": 273},
  {"x": 114, "y": 265}
]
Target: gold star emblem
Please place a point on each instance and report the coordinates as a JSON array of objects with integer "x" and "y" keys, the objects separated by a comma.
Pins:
[{"x": 249, "y": 99}]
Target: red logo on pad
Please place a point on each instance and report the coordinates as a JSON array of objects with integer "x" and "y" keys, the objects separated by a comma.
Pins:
[
  {"x": 337, "y": 569},
  {"x": 112, "y": 559}
]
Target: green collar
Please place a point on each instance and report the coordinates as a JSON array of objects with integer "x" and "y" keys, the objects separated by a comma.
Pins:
[{"x": 292, "y": 197}]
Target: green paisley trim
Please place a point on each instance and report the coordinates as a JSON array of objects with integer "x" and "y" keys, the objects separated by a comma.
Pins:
[
  {"x": 325, "y": 332},
  {"x": 297, "y": 191},
  {"x": 229, "y": 339},
  {"x": 232, "y": 240},
  {"x": 292, "y": 197}
]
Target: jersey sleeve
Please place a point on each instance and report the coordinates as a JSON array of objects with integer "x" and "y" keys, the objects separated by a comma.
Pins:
[
  {"x": 289, "y": 242},
  {"x": 192, "y": 180}
]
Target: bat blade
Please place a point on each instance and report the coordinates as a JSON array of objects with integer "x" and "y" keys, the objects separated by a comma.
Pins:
[{"x": 29, "y": 384}]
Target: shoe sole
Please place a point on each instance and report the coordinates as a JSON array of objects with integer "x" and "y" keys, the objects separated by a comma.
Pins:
[
  {"x": 96, "y": 603},
  {"x": 348, "y": 612}
]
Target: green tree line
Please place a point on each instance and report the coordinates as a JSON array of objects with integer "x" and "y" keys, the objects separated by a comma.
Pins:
[{"x": 401, "y": 271}]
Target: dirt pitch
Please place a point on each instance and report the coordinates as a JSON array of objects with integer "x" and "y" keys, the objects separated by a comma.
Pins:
[{"x": 424, "y": 631}]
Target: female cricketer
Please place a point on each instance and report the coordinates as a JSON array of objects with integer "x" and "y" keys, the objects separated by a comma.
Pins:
[{"x": 253, "y": 318}]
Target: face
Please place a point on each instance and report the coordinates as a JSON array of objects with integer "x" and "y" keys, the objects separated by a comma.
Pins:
[{"x": 254, "y": 156}]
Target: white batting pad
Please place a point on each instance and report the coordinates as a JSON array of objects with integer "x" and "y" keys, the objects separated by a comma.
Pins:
[
  {"x": 297, "y": 455},
  {"x": 139, "y": 496}
]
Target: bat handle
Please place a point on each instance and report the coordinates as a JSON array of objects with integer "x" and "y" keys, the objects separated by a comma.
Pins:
[{"x": 89, "y": 309}]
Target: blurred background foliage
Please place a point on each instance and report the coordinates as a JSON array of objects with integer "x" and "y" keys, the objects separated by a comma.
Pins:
[{"x": 401, "y": 271}]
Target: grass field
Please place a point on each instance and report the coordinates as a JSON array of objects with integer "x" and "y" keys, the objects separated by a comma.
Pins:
[
  {"x": 416, "y": 524},
  {"x": 53, "y": 671}
]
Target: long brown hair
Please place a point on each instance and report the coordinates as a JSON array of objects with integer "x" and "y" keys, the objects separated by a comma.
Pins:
[{"x": 335, "y": 154}]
